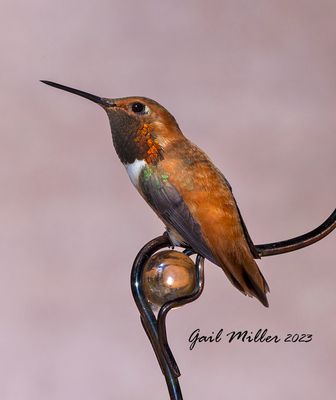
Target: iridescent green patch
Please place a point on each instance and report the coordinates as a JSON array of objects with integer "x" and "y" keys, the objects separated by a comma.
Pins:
[
  {"x": 147, "y": 172},
  {"x": 165, "y": 177}
]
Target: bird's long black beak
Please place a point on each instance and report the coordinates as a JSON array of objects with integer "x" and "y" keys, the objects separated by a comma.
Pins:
[{"x": 96, "y": 99}]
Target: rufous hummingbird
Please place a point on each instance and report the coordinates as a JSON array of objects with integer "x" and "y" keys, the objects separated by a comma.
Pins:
[{"x": 184, "y": 188}]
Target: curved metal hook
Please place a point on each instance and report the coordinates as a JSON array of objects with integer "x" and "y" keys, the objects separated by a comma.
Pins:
[
  {"x": 148, "y": 319},
  {"x": 299, "y": 242}
]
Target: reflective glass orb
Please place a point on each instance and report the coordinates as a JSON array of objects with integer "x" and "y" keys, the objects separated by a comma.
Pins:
[{"x": 168, "y": 275}]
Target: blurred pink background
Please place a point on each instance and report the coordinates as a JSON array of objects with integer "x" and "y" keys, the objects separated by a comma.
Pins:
[{"x": 253, "y": 83}]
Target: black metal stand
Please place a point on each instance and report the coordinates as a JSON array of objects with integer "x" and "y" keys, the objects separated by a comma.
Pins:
[
  {"x": 156, "y": 327},
  {"x": 299, "y": 242}
]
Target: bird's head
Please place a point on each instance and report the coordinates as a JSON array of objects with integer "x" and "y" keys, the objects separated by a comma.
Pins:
[{"x": 141, "y": 127}]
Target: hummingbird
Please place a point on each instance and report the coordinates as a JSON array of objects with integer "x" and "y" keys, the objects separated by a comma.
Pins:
[{"x": 183, "y": 187}]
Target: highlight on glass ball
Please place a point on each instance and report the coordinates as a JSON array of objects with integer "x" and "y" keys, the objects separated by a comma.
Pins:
[{"x": 168, "y": 275}]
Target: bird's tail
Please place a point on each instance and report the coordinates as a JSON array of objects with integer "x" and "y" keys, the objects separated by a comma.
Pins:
[{"x": 244, "y": 273}]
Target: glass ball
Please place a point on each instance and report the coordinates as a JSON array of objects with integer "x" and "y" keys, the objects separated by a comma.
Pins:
[{"x": 168, "y": 275}]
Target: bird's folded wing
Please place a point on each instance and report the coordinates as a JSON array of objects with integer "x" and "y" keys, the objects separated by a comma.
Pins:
[{"x": 168, "y": 203}]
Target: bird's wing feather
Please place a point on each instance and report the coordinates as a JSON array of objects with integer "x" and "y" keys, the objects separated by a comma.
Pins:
[
  {"x": 168, "y": 203},
  {"x": 246, "y": 233}
]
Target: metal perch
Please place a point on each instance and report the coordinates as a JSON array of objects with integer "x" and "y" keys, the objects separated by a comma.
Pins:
[{"x": 155, "y": 327}]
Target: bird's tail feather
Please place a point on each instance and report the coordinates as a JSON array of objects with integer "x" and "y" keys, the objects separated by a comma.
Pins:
[{"x": 244, "y": 274}]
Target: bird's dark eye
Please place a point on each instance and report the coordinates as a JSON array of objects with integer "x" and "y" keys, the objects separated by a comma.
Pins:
[{"x": 138, "y": 108}]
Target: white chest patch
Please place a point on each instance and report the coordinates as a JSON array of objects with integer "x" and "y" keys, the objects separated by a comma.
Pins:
[{"x": 134, "y": 171}]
